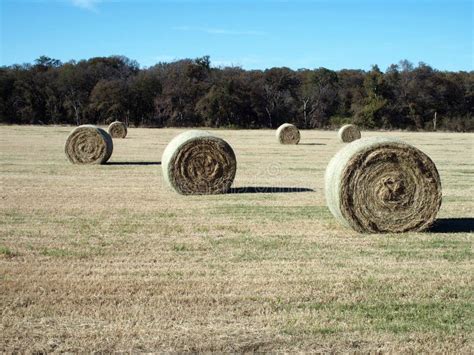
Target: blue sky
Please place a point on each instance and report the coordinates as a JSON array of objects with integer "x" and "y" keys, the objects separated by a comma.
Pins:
[{"x": 254, "y": 34}]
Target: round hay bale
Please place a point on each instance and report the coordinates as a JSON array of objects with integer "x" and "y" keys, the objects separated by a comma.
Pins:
[
  {"x": 348, "y": 133},
  {"x": 199, "y": 163},
  {"x": 88, "y": 144},
  {"x": 288, "y": 134},
  {"x": 117, "y": 129},
  {"x": 383, "y": 185}
]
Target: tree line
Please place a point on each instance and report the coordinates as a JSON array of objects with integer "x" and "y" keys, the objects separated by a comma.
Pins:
[{"x": 190, "y": 92}]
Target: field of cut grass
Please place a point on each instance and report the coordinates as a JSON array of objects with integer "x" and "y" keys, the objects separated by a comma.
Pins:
[{"x": 107, "y": 258}]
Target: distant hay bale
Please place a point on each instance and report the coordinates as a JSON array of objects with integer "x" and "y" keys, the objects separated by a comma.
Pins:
[
  {"x": 117, "y": 129},
  {"x": 199, "y": 163},
  {"x": 382, "y": 185},
  {"x": 288, "y": 134},
  {"x": 348, "y": 133},
  {"x": 88, "y": 144}
]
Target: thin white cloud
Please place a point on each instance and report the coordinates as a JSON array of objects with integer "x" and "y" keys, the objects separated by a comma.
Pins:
[
  {"x": 244, "y": 62},
  {"x": 160, "y": 58},
  {"x": 225, "y": 63},
  {"x": 165, "y": 58},
  {"x": 90, "y": 5},
  {"x": 218, "y": 31}
]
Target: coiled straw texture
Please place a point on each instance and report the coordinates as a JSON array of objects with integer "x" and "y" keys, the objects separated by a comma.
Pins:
[
  {"x": 288, "y": 134},
  {"x": 383, "y": 185},
  {"x": 348, "y": 133},
  {"x": 88, "y": 144},
  {"x": 117, "y": 129},
  {"x": 199, "y": 163}
]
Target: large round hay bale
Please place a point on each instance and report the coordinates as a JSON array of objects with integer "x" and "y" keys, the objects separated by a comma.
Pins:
[
  {"x": 88, "y": 144},
  {"x": 383, "y": 185},
  {"x": 288, "y": 134},
  {"x": 117, "y": 129},
  {"x": 198, "y": 163},
  {"x": 348, "y": 133}
]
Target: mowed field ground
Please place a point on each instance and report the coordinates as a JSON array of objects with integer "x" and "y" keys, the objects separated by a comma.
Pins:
[{"x": 108, "y": 258}]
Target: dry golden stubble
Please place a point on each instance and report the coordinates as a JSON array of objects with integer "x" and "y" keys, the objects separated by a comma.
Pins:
[{"x": 150, "y": 270}]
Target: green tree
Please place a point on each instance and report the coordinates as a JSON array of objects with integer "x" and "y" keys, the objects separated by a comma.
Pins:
[
  {"x": 376, "y": 89},
  {"x": 143, "y": 89},
  {"x": 319, "y": 96},
  {"x": 109, "y": 100},
  {"x": 226, "y": 104}
]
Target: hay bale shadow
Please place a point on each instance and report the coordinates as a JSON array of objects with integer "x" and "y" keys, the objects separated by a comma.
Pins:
[
  {"x": 453, "y": 225},
  {"x": 133, "y": 163},
  {"x": 266, "y": 190}
]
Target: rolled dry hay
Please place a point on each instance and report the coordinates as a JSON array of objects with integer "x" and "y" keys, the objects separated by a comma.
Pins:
[
  {"x": 288, "y": 134},
  {"x": 199, "y": 163},
  {"x": 117, "y": 129},
  {"x": 348, "y": 133},
  {"x": 88, "y": 144},
  {"x": 380, "y": 185}
]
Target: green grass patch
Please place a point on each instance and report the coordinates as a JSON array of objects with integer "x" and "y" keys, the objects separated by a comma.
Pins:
[
  {"x": 180, "y": 247},
  {"x": 57, "y": 253},
  {"x": 202, "y": 229},
  {"x": 411, "y": 317},
  {"x": 245, "y": 248},
  {"x": 233, "y": 229},
  {"x": 68, "y": 253},
  {"x": 274, "y": 213},
  {"x": 412, "y": 248},
  {"x": 10, "y": 217},
  {"x": 7, "y": 252},
  {"x": 458, "y": 255},
  {"x": 391, "y": 316}
]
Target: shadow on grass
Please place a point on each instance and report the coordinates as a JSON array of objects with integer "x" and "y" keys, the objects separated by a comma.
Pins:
[
  {"x": 133, "y": 163},
  {"x": 312, "y": 144},
  {"x": 453, "y": 225},
  {"x": 266, "y": 190}
]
